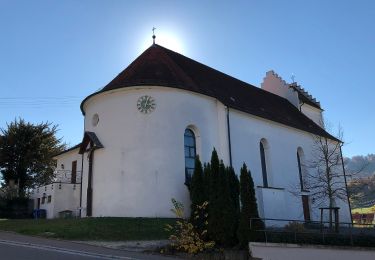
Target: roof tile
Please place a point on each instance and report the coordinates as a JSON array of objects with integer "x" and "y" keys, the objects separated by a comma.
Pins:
[{"x": 159, "y": 66}]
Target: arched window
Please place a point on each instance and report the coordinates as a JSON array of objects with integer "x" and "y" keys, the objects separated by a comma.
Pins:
[
  {"x": 190, "y": 153},
  {"x": 263, "y": 162},
  {"x": 300, "y": 171}
]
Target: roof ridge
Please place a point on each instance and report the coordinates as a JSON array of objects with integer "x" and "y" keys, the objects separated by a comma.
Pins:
[
  {"x": 244, "y": 83},
  {"x": 165, "y": 51},
  {"x": 211, "y": 68}
]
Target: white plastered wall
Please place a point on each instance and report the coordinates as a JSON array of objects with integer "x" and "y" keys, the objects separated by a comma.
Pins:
[
  {"x": 45, "y": 191},
  {"x": 282, "y": 166},
  {"x": 141, "y": 167},
  {"x": 313, "y": 113},
  {"x": 64, "y": 195}
]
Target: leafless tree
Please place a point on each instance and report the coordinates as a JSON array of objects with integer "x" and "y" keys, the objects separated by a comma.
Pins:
[
  {"x": 324, "y": 175},
  {"x": 325, "y": 180}
]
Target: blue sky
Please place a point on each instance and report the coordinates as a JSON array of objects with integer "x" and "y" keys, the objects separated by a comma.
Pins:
[{"x": 54, "y": 53}]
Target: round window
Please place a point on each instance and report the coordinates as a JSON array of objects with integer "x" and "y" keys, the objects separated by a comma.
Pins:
[{"x": 95, "y": 120}]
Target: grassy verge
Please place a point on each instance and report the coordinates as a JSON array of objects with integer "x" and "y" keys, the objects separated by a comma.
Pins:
[
  {"x": 105, "y": 229},
  {"x": 364, "y": 210}
]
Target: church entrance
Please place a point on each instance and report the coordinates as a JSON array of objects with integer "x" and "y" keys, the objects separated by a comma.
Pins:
[{"x": 306, "y": 207}]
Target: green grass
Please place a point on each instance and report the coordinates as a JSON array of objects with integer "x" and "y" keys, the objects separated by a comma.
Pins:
[
  {"x": 105, "y": 229},
  {"x": 364, "y": 210}
]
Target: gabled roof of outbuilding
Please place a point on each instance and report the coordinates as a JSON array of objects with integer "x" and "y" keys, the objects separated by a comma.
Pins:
[
  {"x": 68, "y": 150},
  {"x": 158, "y": 66}
]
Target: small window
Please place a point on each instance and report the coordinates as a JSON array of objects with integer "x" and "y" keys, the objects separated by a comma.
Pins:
[
  {"x": 190, "y": 153},
  {"x": 43, "y": 200},
  {"x": 95, "y": 120},
  {"x": 49, "y": 199}
]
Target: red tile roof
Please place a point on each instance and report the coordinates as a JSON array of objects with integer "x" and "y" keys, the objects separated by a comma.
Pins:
[{"x": 158, "y": 66}]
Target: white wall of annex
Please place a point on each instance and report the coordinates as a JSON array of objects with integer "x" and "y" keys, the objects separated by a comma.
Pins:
[
  {"x": 64, "y": 196},
  {"x": 64, "y": 166},
  {"x": 44, "y": 191}
]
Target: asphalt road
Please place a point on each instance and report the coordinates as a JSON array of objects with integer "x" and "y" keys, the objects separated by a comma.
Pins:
[{"x": 15, "y": 247}]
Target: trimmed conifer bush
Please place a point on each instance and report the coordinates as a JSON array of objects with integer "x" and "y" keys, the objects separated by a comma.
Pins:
[
  {"x": 198, "y": 195},
  {"x": 214, "y": 204},
  {"x": 223, "y": 206},
  {"x": 234, "y": 190},
  {"x": 249, "y": 209},
  {"x": 219, "y": 185}
]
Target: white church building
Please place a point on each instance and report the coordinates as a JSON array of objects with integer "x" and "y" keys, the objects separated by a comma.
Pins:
[{"x": 144, "y": 128}]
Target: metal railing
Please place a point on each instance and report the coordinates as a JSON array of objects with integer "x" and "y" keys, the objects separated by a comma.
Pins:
[
  {"x": 312, "y": 232},
  {"x": 65, "y": 176}
]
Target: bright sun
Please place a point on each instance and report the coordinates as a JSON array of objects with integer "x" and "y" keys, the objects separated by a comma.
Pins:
[{"x": 165, "y": 39}]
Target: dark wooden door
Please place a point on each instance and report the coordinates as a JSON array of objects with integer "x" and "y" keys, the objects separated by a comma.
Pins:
[
  {"x": 89, "y": 186},
  {"x": 306, "y": 207},
  {"x": 38, "y": 203},
  {"x": 74, "y": 172}
]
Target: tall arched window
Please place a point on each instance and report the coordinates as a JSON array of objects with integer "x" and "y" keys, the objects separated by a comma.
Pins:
[
  {"x": 190, "y": 153},
  {"x": 305, "y": 197},
  {"x": 263, "y": 162},
  {"x": 300, "y": 171}
]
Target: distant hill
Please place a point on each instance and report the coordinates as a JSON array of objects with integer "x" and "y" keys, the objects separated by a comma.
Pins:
[
  {"x": 356, "y": 163},
  {"x": 362, "y": 185}
]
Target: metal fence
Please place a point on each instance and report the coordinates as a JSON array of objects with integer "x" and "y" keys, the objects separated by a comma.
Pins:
[
  {"x": 66, "y": 176},
  {"x": 313, "y": 232}
]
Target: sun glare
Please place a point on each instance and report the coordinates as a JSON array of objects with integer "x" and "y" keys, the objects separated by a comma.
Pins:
[{"x": 165, "y": 39}]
